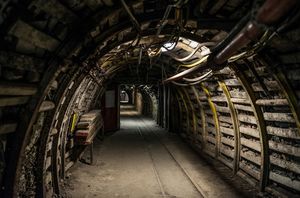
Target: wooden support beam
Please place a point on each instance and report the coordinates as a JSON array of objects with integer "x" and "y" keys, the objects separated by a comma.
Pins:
[
  {"x": 290, "y": 165},
  {"x": 8, "y": 128},
  {"x": 249, "y": 131},
  {"x": 20, "y": 61},
  {"x": 279, "y": 117},
  {"x": 46, "y": 106},
  {"x": 284, "y": 148},
  {"x": 272, "y": 102},
  {"x": 16, "y": 89},
  {"x": 250, "y": 155},
  {"x": 251, "y": 144},
  {"x": 25, "y": 31},
  {"x": 284, "y": 132},
  {"x": 271, "y": 85},
  {"x": 12, "y": 101},
  {"x": 243, "y": 108},
  {"x": 247, "y": 118},
  {"x": 287, "y": 181},
  {"x": 289, "y": 93},
  {"x": 249, "y": 170}
]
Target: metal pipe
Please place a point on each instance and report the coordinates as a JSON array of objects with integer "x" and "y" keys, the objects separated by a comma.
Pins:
[
  {"x": 248, "y": 34},
  {"x": 270, "y": 13}
]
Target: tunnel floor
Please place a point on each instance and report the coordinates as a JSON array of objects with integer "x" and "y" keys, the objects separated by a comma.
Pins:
[{"x": 143, "y": 160}]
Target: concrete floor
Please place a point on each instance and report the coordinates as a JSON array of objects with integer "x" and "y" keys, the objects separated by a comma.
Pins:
[{"x": 143, "y": 160}]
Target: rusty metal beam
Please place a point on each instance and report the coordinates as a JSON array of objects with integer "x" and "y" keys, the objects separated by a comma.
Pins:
[
  {"x": 264, "y": 169},
  {"x": 180, "y": 94},
  {"x": 287, "y": 90},
  {"x": 215, "y": 117},
  {"x": 235, "y": 122},
  {"x": 203, "y": 120},
  {"x": 193, "y": 111}
]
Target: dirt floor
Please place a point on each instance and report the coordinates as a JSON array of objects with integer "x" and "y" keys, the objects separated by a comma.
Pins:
[{"x": 143, "y": 160}]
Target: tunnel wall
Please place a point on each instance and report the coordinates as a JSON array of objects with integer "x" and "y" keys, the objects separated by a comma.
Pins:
[
  {"x": 140, "y": 103},
  {"x": 252, "y": 130},
  {"x": 44, "y": 62},
  {"x": 146, "y": 102}
]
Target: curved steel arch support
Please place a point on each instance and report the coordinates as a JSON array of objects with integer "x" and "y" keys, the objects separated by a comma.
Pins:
[
  {"x": 265, "y": 161},
  {"x": 180, "y": 105},
  {"x": 193, "y": 112},
  {"x": 203, "y": 120},
  {"x": 288, "y": 92},
  {"x": 290, "y": 96},
  {"x": 216, "y": 119},
  {"x": 235, "y": 122},
  {"x": 180, "y": 95}
]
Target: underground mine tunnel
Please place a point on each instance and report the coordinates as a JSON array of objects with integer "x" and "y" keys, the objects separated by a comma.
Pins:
[{"x": 149, "y": 98}]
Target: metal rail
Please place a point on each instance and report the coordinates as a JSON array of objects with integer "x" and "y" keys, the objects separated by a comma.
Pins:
[
  {"x": 153, "y": 163},
  {"x": 188, "y": 176},
  {"x": 215, "y": 117}
]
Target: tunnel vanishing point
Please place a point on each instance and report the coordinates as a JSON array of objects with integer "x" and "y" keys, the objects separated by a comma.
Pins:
[{"x": 224, "y": 75}]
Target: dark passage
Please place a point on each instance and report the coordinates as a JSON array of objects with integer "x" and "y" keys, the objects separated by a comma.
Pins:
[{"x": 143, "y": 160}]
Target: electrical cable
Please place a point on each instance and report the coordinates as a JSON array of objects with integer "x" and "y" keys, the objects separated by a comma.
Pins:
[
  {"x": 164, "y": 20},
  {"x": 199, "y": 62},
  {"x": 194, "y": 51},
  {"x": 133, "y": 19},
  {"x": 200, "y": 78}
]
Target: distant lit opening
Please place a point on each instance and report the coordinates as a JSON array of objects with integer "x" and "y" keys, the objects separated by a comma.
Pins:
[{"x": 124, "y": 98}]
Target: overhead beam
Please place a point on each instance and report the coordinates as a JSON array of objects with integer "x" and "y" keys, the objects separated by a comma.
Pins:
[
  {"x": 20, "y": 61},
  {"x": 7, "y": 128},
  {"x": 12, "y": 101},
  {"x": 17, "y": 89}
]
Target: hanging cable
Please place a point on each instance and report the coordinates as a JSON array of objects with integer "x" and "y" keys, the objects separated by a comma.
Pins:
[
  {"x": 187, "y": 84},
  {"x": 200, "y": 78},
  {"x": 268, "y": 14},
  {"x": 194, "y": 51},
  {"x": 186, "y": 72},
  {"x": 140, "y": 55},
  {"x": 199, "y": 62},
  {"x": 164, "y": 20},
  {"x": 133, "y": 19}
]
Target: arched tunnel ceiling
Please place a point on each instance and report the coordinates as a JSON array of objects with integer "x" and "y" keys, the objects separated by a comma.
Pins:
[{"x": 59, "y": 55}]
